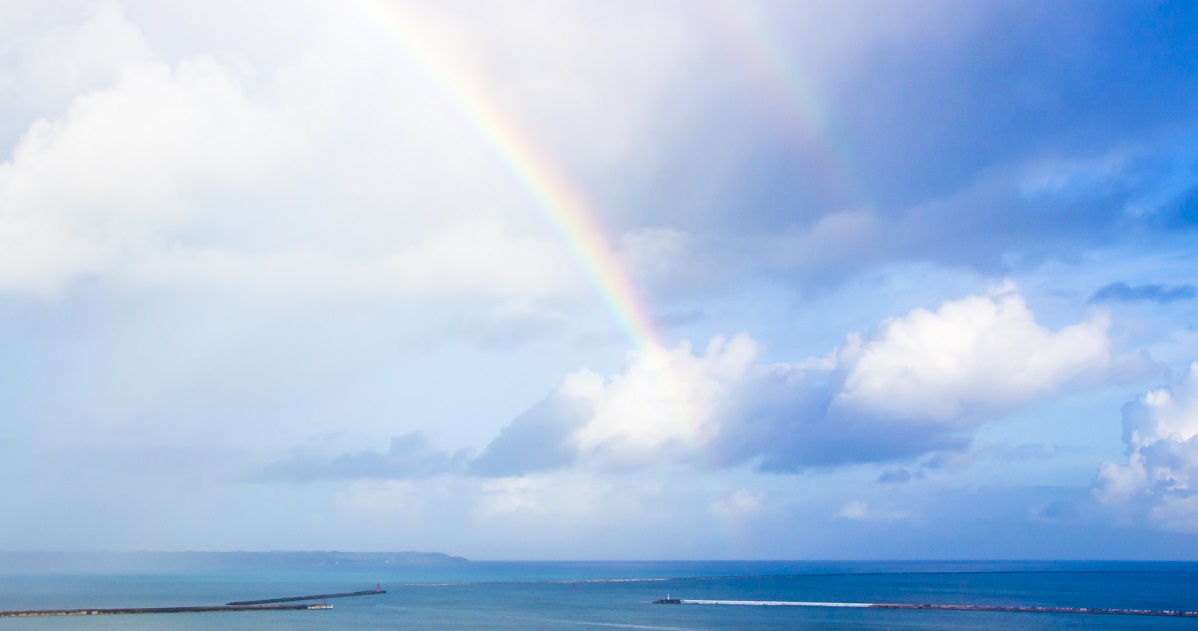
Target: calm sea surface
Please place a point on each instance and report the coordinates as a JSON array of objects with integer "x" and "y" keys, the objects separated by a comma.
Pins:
[{"x": 582, "y": 595}]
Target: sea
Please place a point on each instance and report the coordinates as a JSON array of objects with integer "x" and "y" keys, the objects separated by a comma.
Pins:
[{"x": 438, "y": 592}]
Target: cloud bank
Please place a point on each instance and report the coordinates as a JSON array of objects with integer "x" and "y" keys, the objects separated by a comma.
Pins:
[
  {"x": 87, "y": 193},
  {"x": 920, "y": 383},
  {"x": 411, "y": 455},
  {"x": 1160, "y": 430}
]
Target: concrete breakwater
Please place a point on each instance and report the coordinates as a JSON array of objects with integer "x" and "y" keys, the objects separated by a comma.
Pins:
[
  {"x": 287, "y": 599},
  {"x": 24, "y": 613},
  {"x": 267, "y": 604},
  {"x": 931, "y": 607}
]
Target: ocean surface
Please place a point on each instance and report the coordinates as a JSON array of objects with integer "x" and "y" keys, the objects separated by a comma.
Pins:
[{"x": 452, "y": 594}]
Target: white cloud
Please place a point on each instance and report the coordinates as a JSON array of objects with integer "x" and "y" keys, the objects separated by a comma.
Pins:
[
  {"x": 570, "y": 497},
  {"x": 667, "y": 401},
  {"x": 343, "y": 169},
  {"x": 855, "y": 510},
  {"x": 859, "y": 510},
  {"x": 60, "y": 63},
  {"x": 924, "y": 382},
  {"x": 129, "y": 159},
  {"x": 740, "y": 503},
  {"x": 979, "y": 352},
  {"x": 1159, "y": 477}
]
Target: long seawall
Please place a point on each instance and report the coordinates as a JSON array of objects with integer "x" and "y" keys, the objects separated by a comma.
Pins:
[
  {"x": 288, "y": 599},
  {"x": 267, "y": 604},
  {"x": 26, "y": 613},
  {"x": 931, "y": 607}
]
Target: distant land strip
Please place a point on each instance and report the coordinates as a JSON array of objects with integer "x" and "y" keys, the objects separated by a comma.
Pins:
[
  {"x": 137, "y": 610},
  {"x": 991, "y": 608},
  {"x": 291, "y": 599}
]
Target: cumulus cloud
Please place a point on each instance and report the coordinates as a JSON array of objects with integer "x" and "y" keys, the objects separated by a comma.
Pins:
[
  {"x": 138, "y": 145},
  {"x": 666, "y": 402},
  {"x": 920, "y": 383},
  {"x": 980, "y": 352},
  {"x": 62, "y": 62},
  {"x": 1160, "y": 430}
]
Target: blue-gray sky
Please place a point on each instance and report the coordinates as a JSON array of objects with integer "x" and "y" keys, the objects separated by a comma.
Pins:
[{"x": 921, "y": 277}]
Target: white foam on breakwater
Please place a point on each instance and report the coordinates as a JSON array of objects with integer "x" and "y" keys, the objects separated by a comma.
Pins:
[{"x": 776, "y": 603}]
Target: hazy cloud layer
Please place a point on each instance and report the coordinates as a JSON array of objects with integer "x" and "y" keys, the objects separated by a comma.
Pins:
[{"x": 412, "y": 455}]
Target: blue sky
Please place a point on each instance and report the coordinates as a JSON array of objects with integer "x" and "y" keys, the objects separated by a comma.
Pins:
[{"x": 922, "y": 279}]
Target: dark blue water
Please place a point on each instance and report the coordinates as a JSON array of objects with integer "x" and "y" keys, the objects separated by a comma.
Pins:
[{"x": 582, "y": 595}]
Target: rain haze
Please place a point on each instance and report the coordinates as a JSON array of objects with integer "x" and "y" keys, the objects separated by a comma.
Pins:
[{"x": 600, "y": 280}]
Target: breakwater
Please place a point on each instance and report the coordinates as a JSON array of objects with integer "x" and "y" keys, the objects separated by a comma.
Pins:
[
  {"x": 288, "y": 599},
  {"x": 25, "y": 613},
  {"x": 932, "y": 607},
  {"x": 267, "y": 604}
]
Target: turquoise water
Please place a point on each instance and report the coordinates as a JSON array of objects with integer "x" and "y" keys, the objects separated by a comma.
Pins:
[{"x": 591, "y": 595}]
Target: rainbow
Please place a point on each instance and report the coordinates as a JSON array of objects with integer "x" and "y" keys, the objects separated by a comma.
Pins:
[
  {"x": 758, "y": 45},
  {"x": 563, "y": 206}
]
